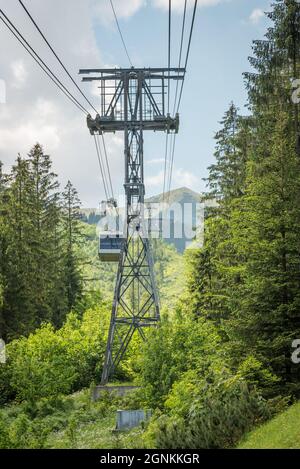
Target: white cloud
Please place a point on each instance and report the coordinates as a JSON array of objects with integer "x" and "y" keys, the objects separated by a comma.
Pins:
[
  {"x": 28, "y": 134},
  {"x": 180, "y": 178},
  {"x": 177, "y": 5},
  {"x": 128, "y": 8},
  {"x": 123, "y": 9},
  {"x": 155, "y": 181},
  {"x": 185, "y": 178},
  {"x": 155, "y": 161},
  {"x": 256, "y": 15},
  {"x": 35, "y": 109},
  {"x": 19, "y": 73}
]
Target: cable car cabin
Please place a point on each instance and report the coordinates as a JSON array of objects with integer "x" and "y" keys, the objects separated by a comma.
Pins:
[{"x": 110, "y": 246}]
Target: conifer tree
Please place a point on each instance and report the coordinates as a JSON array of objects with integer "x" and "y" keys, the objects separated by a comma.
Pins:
[
  {"x": 72, "y": 238},
  {"x": 44, "y": 213},
  {"x": 18, "y": 314},
  {"x": 249, "y": 265},
  {"x": 209, "y": 284},
  {"x": 226, "y": 176},
  {"x": 265, "y": 222},
  {"x": 3, "y": 244}
]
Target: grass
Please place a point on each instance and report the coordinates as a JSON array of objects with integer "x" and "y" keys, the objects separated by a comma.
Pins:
[
  {"x": 71, "y": 422},
  {"x": 99, "y": 434},
  {"x": 283, "y": 432}
]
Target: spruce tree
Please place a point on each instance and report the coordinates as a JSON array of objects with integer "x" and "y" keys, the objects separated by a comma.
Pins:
[
  {"x": 226, "y": 175},
  {"x": 214, "y": 270},
  {"x": 72, "y": 238},
  {"x": 3, "y": 244},
  {"x": 265, "y": 222},
  {"x": 44, "y": 212},
  {"x": 18, "y": 313}
]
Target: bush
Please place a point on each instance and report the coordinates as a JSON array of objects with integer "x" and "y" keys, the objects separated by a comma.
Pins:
[
  {"x": 40, "y": 366},
  {"x": 5, "y": 442},
  {"x": 22, "y": 433},
  {"x": 49, "y": 363},
  {"x": 85, "y": 341},
  {"x": 7, "y": 393},
  {"x": 218, "y": 420},
  {"x": 178, "y": 345}
]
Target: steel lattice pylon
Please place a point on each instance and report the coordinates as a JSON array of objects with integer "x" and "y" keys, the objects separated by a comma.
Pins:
[{"x": 133, "y": 100}]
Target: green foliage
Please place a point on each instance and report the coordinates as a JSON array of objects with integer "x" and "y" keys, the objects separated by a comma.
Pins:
[
  {"x": 183, "y": 393},
  {"x": 245, "y": 279},
  {"x": 254, "y": 373},
  {"x": 86, "y": 342},
  {"x": 40, "y": 279},
  {"x": 66, "y": 422},
  {"x": 22, "y": 433},
  {"x": 49, "y": 363},
  {"x": 217, "y": 420},
  {"x": 179, "y": 344},
  {"x": 72, "y": 237},
  {"x": 224, "y": 342},
  {"x": 40, "y": 366}
]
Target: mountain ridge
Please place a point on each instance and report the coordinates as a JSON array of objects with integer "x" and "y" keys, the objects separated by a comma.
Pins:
[{"x": 181, "y": 194}]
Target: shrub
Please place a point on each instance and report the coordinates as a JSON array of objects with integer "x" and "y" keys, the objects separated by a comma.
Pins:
[
  {"x": 176, "y": 346},
  {"x": 26, "y": 434},
  {"x": 40, "y": 366},
  {"x": 49, "y": 363},
  {"x": 5, "y": 442},
  {"x": 218, "y": 420},
  {"x": 7, "y": 393}
]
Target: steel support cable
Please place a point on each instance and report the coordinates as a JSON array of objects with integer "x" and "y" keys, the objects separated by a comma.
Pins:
[
  {"x": 188, "y": 51},
  {"x": 169, "y": 64},
  {"x": 120, "y": 32},
  {"x": 165, "y": 166},
  {"x": 56, "y": 56},
  {"x": 180, "y": 53},
  {"x": 173, "y": 139},
  {"x": 171, "y": 167},
  {"x": 181, "y": 90},
  {"x": 110, "y": 195},
  {"x": 98, "y": 150},
  {"x": 169, "y": 50},
  {"x": 108, "y": 169},
  {"x": 40, "y": 61},
  {"x": 20, "y": 38},
  {"x": 109, "y": 175},
  {"x": 70, "y": 76}
]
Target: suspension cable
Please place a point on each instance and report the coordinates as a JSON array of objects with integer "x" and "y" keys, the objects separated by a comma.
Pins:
[
  {"x": 180, "y": 52},
  {"x": 182, "y": 85},
  {"x": 120, "y": 32},
  {"x": 56, "y": 56},
  {"x": 169, "y": 64},
  {"x": 107, "y": 165},
  {"x": 39, "y": 61},
  {"x": 169, "y": 50},
  {"x": 99, "y": 155},
  {"x": 73, "y": 81},
  {"x": 44, "y": 67},
  {"x": 188, "y": 52}
]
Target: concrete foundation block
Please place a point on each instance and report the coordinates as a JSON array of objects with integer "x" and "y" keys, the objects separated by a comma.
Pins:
[
  {"x": 99, "y": 391},
  {"x": 127, "y": 419}
]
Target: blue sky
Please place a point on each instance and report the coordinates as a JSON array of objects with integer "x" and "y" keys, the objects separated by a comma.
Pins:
[{"x": 85, "y": 36}]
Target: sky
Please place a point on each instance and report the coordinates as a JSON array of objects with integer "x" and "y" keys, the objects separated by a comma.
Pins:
[{"x": 84, "y": 35}]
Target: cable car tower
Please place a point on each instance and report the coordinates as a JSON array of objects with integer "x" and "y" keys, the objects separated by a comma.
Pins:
[{"x": 132, "y": 100}]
